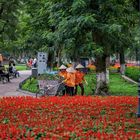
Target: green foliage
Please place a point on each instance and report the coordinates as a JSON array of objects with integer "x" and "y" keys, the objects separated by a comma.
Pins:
[
  {"x": 9, "y": 12},
  {"x": 133, "y": 73},
  {"x": 30, "y": 85}
]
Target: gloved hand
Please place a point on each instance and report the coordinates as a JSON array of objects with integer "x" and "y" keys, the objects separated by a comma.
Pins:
[{"x": 86, "y": 82}]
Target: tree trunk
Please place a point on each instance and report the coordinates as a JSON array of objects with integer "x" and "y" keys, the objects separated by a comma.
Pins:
[
  {"x": 122, "y": 62},
  {"x": 137, "y": 54},
  {"x": 100, "y": 63},
  {"x": 107, "y": 68},
  {"x": 59, "y": 58},
  {"x": 101, "y": 76}
]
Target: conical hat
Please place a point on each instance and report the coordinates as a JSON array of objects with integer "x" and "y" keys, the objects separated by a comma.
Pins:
[
  {"x": 79, "y": 66},
  {"x": 62, "y": 67},
  {"x": 70, "y": 69}
]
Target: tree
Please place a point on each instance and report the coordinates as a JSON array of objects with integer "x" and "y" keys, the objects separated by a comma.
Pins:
[
  {"x": 8, "y": 21},
  {"x": 105, "y": 21}
]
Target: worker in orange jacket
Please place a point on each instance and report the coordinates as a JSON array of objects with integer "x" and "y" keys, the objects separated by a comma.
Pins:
[
  {"x": 79, "y": 76},
  {"x": 70, "y": 81},
  {"x": 62, "y": 73}
]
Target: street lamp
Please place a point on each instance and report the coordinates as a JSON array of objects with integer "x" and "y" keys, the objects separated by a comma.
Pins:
[{"x": 138, "y": 113}]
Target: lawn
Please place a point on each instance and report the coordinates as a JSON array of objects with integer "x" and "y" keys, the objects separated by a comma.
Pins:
[
  {"x": 69, "y": 118},
  {"x": 118, "y": 86},
  {"x": 133, "y": 73},
  {"x": 19, "y": 67}
]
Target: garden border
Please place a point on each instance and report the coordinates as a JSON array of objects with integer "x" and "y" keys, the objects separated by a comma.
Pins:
[
  {"x": 24, "y": 91},
  {"x": 129, "y": 79}
]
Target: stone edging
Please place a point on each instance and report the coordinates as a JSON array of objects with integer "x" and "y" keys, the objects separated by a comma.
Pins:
[
  {"x": 129, "y": 79},
  {"x": 24, "y": 91}
]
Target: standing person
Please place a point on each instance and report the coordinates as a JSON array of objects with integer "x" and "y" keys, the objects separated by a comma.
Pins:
[
  {"x": 62, "y": 73},
  {"x": 30, "y": 62},
  {"x": 34, "y": 64},
  {"x": 70, "y": 81},
  {"x": 79, "y": 79}
]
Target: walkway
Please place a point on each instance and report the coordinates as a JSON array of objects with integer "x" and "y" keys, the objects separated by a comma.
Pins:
[{"x": 11, "y": 89}]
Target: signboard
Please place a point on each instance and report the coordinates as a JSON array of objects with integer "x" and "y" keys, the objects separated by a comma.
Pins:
[{"x": 42, "y": 62}]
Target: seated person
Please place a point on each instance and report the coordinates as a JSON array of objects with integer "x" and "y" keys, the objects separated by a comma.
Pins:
[
  {"x": 2, "y": 73},
  {"x": 10, "y": 68},
  {"x": 15, "y": 70}
]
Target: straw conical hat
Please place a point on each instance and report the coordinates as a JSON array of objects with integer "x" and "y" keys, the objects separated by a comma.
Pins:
[
  {"x": 70, "y": 69},
  {"x": 62, "y": 67},
  {"x": 79, "y": 66}
]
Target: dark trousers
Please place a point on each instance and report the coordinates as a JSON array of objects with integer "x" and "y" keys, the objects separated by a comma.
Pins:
[
  {"x": 62, "y": 89},
  {"x": 70, "y": 90},
  {"x": 82, "y": 89}
]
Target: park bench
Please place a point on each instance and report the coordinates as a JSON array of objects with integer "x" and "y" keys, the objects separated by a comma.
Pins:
[{"x": 12, "y": 75}]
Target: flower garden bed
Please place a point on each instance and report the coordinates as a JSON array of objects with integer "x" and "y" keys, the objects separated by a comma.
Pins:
[{"x": 69, "y": 118}]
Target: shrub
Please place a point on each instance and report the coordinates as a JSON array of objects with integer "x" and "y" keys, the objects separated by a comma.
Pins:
[{"x": 133, "y": 73}]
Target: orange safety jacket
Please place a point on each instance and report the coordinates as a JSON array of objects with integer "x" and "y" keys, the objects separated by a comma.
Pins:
[
  {"x": 63, "y": 74},
  {"x": 79, "y": 77},
  {"x": 70, "y": 79}
]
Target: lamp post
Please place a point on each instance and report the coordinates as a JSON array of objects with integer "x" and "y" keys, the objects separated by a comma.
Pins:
[{"x": 138, "y": 113}]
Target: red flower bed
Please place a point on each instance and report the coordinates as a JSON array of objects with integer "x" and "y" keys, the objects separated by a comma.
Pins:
[{"x": 67, "y": 118}]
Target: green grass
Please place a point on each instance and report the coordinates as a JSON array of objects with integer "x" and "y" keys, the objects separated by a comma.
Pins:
[
  {"x": 118, "y": 86},
  {"x": 90, "y": 88},
  {"x": 133, "y": 73},
  {"x": 30, "y": 85},
  {"x": 19, "y": 67}
]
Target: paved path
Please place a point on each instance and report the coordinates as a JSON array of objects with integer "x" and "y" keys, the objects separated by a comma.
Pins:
[{"x": 11, "y": 89}]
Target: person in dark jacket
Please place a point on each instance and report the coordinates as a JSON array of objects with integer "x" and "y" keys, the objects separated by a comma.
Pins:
[{"x": 3, "y": 73}]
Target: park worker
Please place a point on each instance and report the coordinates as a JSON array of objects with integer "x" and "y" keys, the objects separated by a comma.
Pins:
[
  {"x": 62, "y": 71},
  {"x": 62, "y": 74},
  {"x": 70, "y": 81},
  {"x": 79, "y": 78}
]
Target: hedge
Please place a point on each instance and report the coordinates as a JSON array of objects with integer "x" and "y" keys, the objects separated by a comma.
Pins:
[{"x": 133, "y": 73}]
